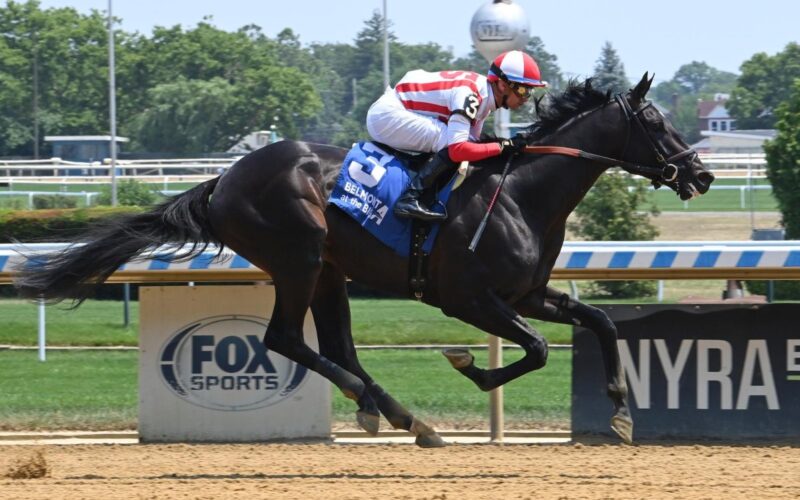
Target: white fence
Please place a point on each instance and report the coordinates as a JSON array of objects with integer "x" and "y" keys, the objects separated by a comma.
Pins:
[{"x": 56, "y": 170}]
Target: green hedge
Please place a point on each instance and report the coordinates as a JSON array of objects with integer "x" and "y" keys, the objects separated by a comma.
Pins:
[
  {"x": 783, "y": 289},
  {"x": 30, "y": 226}
]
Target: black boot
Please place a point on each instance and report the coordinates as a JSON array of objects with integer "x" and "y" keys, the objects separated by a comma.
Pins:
[{"x": 409, "y": 204}]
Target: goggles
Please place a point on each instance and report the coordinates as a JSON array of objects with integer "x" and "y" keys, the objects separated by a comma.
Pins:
[{"x": 522, "y": 91}]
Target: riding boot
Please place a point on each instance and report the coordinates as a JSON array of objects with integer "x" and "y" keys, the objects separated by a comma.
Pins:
[{"x": 409, "y": 205}]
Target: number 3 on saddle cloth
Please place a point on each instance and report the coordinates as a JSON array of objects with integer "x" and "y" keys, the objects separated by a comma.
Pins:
[{"x": 370, "y": 182}]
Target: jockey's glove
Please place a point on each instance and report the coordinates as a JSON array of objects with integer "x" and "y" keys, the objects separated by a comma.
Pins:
[{"x": 513, "y": 146}]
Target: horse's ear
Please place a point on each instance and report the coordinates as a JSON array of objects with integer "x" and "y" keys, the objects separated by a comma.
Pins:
[{"x": 641, "y": 88}]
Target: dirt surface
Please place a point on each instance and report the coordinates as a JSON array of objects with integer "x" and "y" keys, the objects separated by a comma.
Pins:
[
  {"x": 328, "y": 471},
  {"x": 709, "y": 226}
]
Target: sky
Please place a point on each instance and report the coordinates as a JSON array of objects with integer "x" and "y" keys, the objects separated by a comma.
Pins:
[{"x": 648, "y": 36}]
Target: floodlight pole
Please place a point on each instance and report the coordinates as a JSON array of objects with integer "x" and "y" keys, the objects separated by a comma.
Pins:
[
  {"x": 112, "y": 106},
  {"x": 385, "y": 47}
]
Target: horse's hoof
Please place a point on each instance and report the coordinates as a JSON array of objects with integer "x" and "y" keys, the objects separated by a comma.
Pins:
[
  {"x": 426, "y": 436},
  {"x": 432, "y": 440},
  {"x": 623, "y": 426},
  {"x": 370, "y": 423},
  {"x": 459, "y": 358}
]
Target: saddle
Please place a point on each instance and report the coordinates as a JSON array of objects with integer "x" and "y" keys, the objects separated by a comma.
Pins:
[{"x": 372, "y": 178}]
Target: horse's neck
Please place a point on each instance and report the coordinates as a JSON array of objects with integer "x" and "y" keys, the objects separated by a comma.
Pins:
[{"x": 565, "y": 181}]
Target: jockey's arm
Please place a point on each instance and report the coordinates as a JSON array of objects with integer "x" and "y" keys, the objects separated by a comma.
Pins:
[{"x": 460, "y": 147}]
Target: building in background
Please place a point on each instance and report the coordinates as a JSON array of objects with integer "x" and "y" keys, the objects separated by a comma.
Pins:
[
  {"x": 254, "y": 140},
  {"x": 713, "y": 115},
  {"x": 83, "y": 148},
  {"x": 719, "y": 131}
]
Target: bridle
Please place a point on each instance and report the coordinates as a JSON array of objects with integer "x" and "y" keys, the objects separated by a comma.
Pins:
[{"x": 666, "y": 171}]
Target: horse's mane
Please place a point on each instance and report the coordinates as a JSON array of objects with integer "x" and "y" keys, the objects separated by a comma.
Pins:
[{"x": 554, "y": 110}]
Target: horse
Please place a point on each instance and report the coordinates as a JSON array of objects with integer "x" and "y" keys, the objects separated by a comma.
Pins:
[{"x": 271, "y": 207}]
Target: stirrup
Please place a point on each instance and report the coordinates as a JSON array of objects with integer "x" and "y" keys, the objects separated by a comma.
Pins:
[{"x": 409, "y": 211}]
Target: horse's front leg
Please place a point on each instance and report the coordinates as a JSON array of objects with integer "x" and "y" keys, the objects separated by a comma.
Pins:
[
  {"x": 558, "y": 307},
  {"x": 491, "y": 314}
]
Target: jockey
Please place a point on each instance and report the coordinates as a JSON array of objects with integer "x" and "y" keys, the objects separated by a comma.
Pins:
[{"x": 443, "y": 112}]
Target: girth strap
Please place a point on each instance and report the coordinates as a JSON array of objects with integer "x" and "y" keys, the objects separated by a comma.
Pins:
[{"x": 418, "y": 259}]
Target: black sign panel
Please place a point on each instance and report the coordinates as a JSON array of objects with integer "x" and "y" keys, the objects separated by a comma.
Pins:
[{"x": 696, "y": 372}]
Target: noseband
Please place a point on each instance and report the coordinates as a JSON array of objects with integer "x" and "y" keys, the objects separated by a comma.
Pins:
[{"x": 666, "y": 171}]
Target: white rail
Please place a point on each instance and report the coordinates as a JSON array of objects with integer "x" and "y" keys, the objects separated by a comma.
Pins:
[{"x": 723, "y": 165}]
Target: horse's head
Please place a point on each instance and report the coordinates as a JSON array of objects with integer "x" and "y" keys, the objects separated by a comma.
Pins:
[{"x": 653, "y": 141}]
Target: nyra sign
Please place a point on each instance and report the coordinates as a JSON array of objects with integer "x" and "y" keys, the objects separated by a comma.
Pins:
[
  {"x": 205, "y": 375},
  {"x": 212, "y": 364},
  {"x": 709, "y": 371}
]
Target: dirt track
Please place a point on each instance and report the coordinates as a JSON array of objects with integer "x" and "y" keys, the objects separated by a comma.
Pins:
[{"x": 325, "y": 471}]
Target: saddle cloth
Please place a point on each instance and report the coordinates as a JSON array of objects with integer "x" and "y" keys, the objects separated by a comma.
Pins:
[{"x": 369, "y": 184}]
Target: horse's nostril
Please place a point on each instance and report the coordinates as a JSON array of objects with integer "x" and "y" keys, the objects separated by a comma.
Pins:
[{"x": 705, "y": 178}]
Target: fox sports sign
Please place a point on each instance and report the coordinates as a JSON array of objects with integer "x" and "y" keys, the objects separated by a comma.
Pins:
[{"x": 216, "y": 363}]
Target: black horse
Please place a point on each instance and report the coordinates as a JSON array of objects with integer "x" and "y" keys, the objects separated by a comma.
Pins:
[{"x": 271, "y": 207}]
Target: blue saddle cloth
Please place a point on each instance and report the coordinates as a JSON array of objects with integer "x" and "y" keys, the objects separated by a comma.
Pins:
[{"x": 370, "y": 182}]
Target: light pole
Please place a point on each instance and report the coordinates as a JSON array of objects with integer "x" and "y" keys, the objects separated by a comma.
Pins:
[
  {"x": 112, "y": 106},
  {"x": 385, "y": 47},
  {"x": 498, "y": 27}
]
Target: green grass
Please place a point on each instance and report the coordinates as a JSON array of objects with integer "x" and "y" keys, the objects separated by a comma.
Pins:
[
  {"x": 728, "y": 200},
  {"x": 382, "y": 321},
  {"x": 95, "y": 323},
  {"x": 98, "y": 389},
  {"x": 425, "y": 383},
  {"x": 99, "y": 323},
  {"x": 375, "y": 321},
  {"x": 71, "y": 390}
]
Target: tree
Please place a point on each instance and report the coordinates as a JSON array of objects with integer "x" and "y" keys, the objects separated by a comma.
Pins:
[
  {"x": 610, "y": 212},
  {"x": 186, "y": 116},
  {"x": 783, "y": 161},
  {"x": 52, "y": 66},
  {"x": 692, "y": 82},
  {"x": 698, "y": 77},
  {"x": 549, "y": 71},
  {"x": 766, "y": 81},
  {"x": 783, "y": 172},
  {"x": 609, "y": 72}
]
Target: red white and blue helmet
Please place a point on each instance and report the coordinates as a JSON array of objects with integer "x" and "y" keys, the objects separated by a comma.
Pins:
[{"x": 518, "y": 67}]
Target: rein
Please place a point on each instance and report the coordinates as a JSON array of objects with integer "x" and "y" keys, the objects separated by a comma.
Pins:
[
  {"x": 667, "y": 170},
  {"x": 633, "y": 168}
]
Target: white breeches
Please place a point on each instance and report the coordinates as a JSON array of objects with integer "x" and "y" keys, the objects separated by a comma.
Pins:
[{"x": 392, "y": 124}]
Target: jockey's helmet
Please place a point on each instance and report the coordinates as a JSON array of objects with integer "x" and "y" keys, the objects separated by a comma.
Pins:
[{"x": 516, "y": 67}]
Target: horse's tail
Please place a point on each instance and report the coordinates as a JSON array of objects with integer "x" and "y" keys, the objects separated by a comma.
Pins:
[{"x": 74, "y": 272}]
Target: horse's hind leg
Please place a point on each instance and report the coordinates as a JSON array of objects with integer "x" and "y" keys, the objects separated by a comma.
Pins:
[
  {"x": 331, "y": 311},
  {"x": 295, "y": 274}
]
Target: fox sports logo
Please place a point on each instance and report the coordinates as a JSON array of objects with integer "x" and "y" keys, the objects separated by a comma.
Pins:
[{"x": 221, "y": 363}]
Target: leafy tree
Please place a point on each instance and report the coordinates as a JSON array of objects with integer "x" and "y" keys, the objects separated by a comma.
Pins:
[
  {"x": 698, "y": 77},
  {"x": 65, "y": 54},
  {"x": 610, "y": 212},
  {"x": 693, "y": 81},
  {"x": 547, "y": 62},
  {"x": 783, "y": 161},
  {"x": 550, "y": 72},
  {"x": 783, "y": 172},
  {"x": 187, "y": 116},
  {"x": 766, "y": 81},
  {"x": 609, "y": 72},
  {"x": 473, "y": 61}
]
